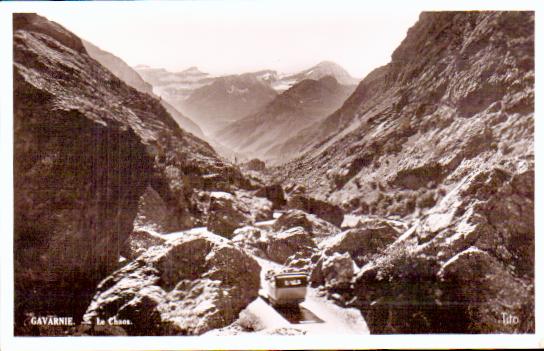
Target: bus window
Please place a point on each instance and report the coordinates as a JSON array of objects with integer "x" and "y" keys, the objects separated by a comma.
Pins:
[{"x": 291, "y": 282}]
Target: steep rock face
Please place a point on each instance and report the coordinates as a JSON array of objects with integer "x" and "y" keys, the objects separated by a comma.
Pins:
[
  {"x": 185, "y": 287},
  {"x": 407, "y": 120},
  {"x": 174, "y": 86},
  {"x": 133, "y": 79},
  {"x": 442, "y": 136},
  {"x": 304, "y": 104},
  {"x": 86, "y": 148}
]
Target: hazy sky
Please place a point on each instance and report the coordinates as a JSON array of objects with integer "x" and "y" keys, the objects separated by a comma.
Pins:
[{"x": 240, "y": 36}]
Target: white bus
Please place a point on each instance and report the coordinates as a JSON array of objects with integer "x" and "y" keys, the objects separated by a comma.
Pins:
[{"x": 287, "y": 288}]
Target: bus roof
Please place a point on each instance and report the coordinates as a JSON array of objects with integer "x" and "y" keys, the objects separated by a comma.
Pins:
[{"x": 291, "y": 275}]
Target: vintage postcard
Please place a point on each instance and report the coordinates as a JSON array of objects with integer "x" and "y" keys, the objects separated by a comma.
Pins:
[{"x": 269, "y": 171}]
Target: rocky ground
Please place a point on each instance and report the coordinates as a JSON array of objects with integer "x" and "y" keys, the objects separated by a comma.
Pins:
[{"x": 412, "y": 209}]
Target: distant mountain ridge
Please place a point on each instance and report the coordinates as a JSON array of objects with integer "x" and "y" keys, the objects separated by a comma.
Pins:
[
  {"x": 322, "y": 69},
  {"x": 306, "y": 103},
  {"x": 216, "y": 101}
]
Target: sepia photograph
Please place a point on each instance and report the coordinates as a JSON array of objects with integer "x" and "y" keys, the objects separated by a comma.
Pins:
[{"x": 239, "y": 169}]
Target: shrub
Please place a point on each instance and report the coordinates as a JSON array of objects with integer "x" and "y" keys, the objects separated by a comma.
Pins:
[{"x": 249, "y": 321}]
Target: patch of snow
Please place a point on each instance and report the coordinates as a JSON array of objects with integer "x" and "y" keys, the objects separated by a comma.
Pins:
[
  {"x": 221, "y": 195},
  {"x": 234, "y": 90}
]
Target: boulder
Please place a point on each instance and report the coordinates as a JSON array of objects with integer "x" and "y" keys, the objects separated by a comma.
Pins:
[
  {"x": 226, "y": 214},
  {"x": 251, "y": 239},
  {"x": 363, "y": 241},
  {"x": 338, "y": 270},
  {"x": 259, "y": 208},
  {"x": 333, "y": 272},
  {"x": 273, "y": 193},
  {"x": 138, "y": 242},
  {"x": 291, "y": 241},
  {"x": 185, "y": 287},
  {"x": 493, "y": 300},
  {"x": 156, "y": 214},
  {"x": 297, "y": 218},
  {"x": 330, "y": 213}
]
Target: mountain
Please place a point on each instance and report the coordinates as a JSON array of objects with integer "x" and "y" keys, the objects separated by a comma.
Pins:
[
  {"x": 441, "y": 138},
  {"x": 322, "y": 69},
  {"x": 133, "y": 79},
  {"x": 228, "y": 99},
  {"x": 95, "y": 160},
  {"x": 342, "y": 119},
  {"x": 262, "y": 134},
  {"x": 214, "y": 102},
  {"x": 174, "y": 86}
]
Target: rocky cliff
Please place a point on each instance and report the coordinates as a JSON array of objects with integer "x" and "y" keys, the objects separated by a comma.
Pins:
[
  {"x": 442, "y": 137},
  {"x": 91, "y": 155}
]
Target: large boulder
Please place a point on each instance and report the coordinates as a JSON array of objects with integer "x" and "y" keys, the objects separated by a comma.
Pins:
[
  {"x": 226, "y": 214},
  {"x": 312, "y": 224},
  {"x": 186, "y": 287},
  {"x": 492, "y": 298},
  {"x": 260, "y": 209},
  {"x": 138, "y": 242},
  {"x": 273, "y": 193},
  {"x": 363, "y": 241},
  {"x": 321, "y": 209},
  {"x": 284, "y": 244},
  {"x": 335, "y": 271},
  {"x": 251, "y": 239},
  {"x": 154, "y": 213}
]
